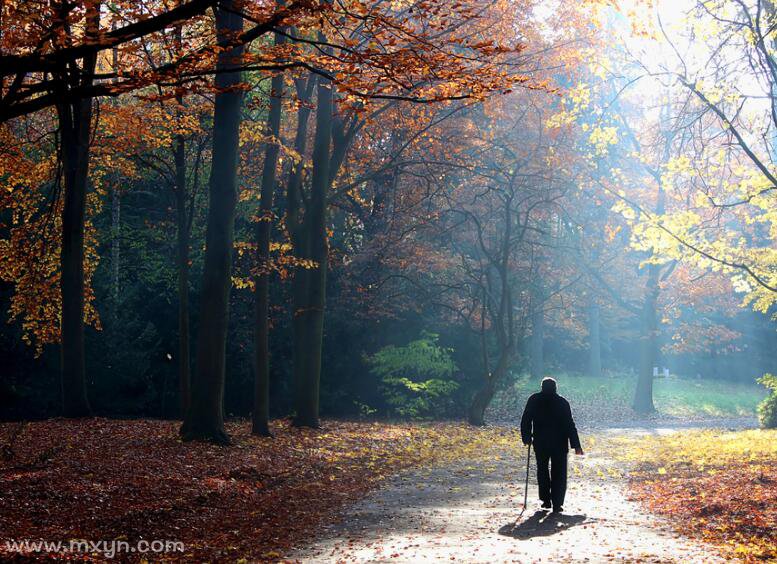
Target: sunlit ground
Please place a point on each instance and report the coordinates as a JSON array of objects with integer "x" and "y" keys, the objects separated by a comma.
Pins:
[{"x": 607, "y": 400}]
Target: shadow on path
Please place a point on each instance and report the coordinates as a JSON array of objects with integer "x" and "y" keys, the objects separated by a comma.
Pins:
[{"x": 541, "y": 524}]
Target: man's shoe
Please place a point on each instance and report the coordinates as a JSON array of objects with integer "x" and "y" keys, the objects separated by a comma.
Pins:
[
  {"x": 546, "y": 505},
  {"x": 557, "y": 509}
]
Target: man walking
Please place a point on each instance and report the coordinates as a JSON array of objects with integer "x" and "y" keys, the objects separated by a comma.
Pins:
[{"x": 547, "y": 423}]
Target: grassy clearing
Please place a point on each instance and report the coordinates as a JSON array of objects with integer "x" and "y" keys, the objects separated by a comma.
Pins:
[
  {"x": 672, "y": 396},
  {"x": 610, "y": 398},
  {"x": 708, "y": 397},
  {"x": 720, "y": 486}
]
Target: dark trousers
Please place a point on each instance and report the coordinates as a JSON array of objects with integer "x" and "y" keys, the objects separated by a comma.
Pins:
[{"x": 552, "y": 483}]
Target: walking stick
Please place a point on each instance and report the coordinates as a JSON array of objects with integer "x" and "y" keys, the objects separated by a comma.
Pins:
[{"x": 526, "y": 488}]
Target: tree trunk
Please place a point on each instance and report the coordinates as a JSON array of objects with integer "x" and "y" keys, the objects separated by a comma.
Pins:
[
  {"x": 483, "y": 397},
  {"x": 594, "y": 342},
  {"x": 643, "y": 396},
  {"x": 115, "y": 213},
  {"x": 261, "y": 413},
  {"x": 74, "y": 127},
  {"x": 184, "y": 219},
  {"x": 536, "y": 343},
  {"x": 477, "y": 409},
  {"x": 182, "y": 233},
  {"x": 115, "y": 243},
  {"x": 296, "y": 227},
  {"x": 205, "y": 417},
  {"x": 299, "y": 322},
  {"x": 75, "y": 122},
  {"x": 311, "y": 292}
]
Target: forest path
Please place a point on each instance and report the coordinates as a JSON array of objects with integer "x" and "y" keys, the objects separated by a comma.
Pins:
[{"x": 470, "y": 512}]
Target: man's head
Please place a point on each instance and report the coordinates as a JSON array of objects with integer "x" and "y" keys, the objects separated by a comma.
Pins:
[{"x": 549, "y": 385}]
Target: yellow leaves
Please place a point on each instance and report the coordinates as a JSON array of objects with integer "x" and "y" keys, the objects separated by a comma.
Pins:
[
  {"x": 575, "y": 101},
  {"x": 705, "y": 450},
  {"x": 253, "y": 133},
  {"x": 421, "y": 444},
  {"x": 624, "y": 209},
  {"x": 701, "y": 200},
  {"x": 712, "y": 92},
  {"x": 242, "y": 283},
  {"x": 602, "y": 138},
  {"x": 579, "y": 96},
  {"x": 678, "y": 165},
  {"x": 741, "y": 284},
  {"x": 29, "y": 251},
  {"x": 560, "y": 119},
  {"x": 704, "y": 473}
]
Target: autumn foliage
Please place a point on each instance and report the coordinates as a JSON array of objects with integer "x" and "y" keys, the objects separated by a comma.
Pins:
[
  {"x": 720, "y": 486},
  {"x": 214, "y": 209},
  {"x": 254, "y": 500}
]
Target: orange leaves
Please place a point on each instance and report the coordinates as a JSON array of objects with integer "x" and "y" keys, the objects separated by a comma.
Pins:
[
  {"x": 29, "y": 255},
  {"x": 612, "y": 232},
  {"x": 135, "y": 479},
  {"x": 722, "y": 484}
]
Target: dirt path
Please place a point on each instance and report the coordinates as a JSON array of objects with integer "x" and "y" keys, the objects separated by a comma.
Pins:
[{"x": 470, "y": 513}]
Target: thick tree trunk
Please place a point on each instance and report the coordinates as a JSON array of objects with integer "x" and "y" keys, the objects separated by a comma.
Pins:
[
  {"x": 476, "y": 414},
  {"x": 309, "y": 312},
  {"x": 205, "y": 417},
  {"x": 537, "y": 343},
  {"x": 297, "y": 231},
  {"x": 75, "y": 128},
  {"x": 312, "y": 320},
  {"x": 182, "y": 233},
  {"x": 115, "y": 243},
  {"x": 648, "y": 350},
  {"x": 115, "y": 215},
  {"x": 594, "y": 342},
  {"x": 300, "y": 326},
  {"x": 643, "y": 396},
  {"x": 75, "y": 122},
  {"x": 261, "y": 413}
]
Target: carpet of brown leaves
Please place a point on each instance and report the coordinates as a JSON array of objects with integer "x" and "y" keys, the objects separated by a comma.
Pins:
[
  {"x": 719, "y": 486},
  {"x": 101, "y": 479}
]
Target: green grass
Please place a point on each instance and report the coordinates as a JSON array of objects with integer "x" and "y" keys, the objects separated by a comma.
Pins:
[
  {"x": 672, "y": 396},
  {"x": 610, "y": 398},
  {"x": 707, "y": 397}
]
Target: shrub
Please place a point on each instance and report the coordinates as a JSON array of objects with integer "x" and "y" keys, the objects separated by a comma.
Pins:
[
  {"x": 767, "y": 409},
  {"x": 415, "y": 379}
]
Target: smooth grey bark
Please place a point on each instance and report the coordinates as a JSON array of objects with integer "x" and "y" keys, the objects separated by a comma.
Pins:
[
  {"x": 205, "y": 417},
  {"x": 594, "y": 341},
  {"x": 648, "y": 349},
  {"x": 183, "y": 226},
  {"x": 184, "y": 216},
  {"x": 261, "y": 412},
  {"x": 75, "y": 125},
  {"x": 310, "y": 292},
  {"x": 294, "y": 202},
  {"x": 537, "y": 341},
  {"x": 115, "y": 243},
  {"x": 648, "y": 346}
]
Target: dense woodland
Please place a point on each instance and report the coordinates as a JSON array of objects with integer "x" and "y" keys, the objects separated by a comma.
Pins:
[
  {"x": 279, "y": 280},
  {"x": 378, "y": 209}
]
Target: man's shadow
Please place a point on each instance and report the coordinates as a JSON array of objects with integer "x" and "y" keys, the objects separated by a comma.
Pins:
[{"x": 541, "y": 524}]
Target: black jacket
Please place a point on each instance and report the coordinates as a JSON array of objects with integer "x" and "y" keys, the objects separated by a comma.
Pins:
[{"x": 547, "y": 422}]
